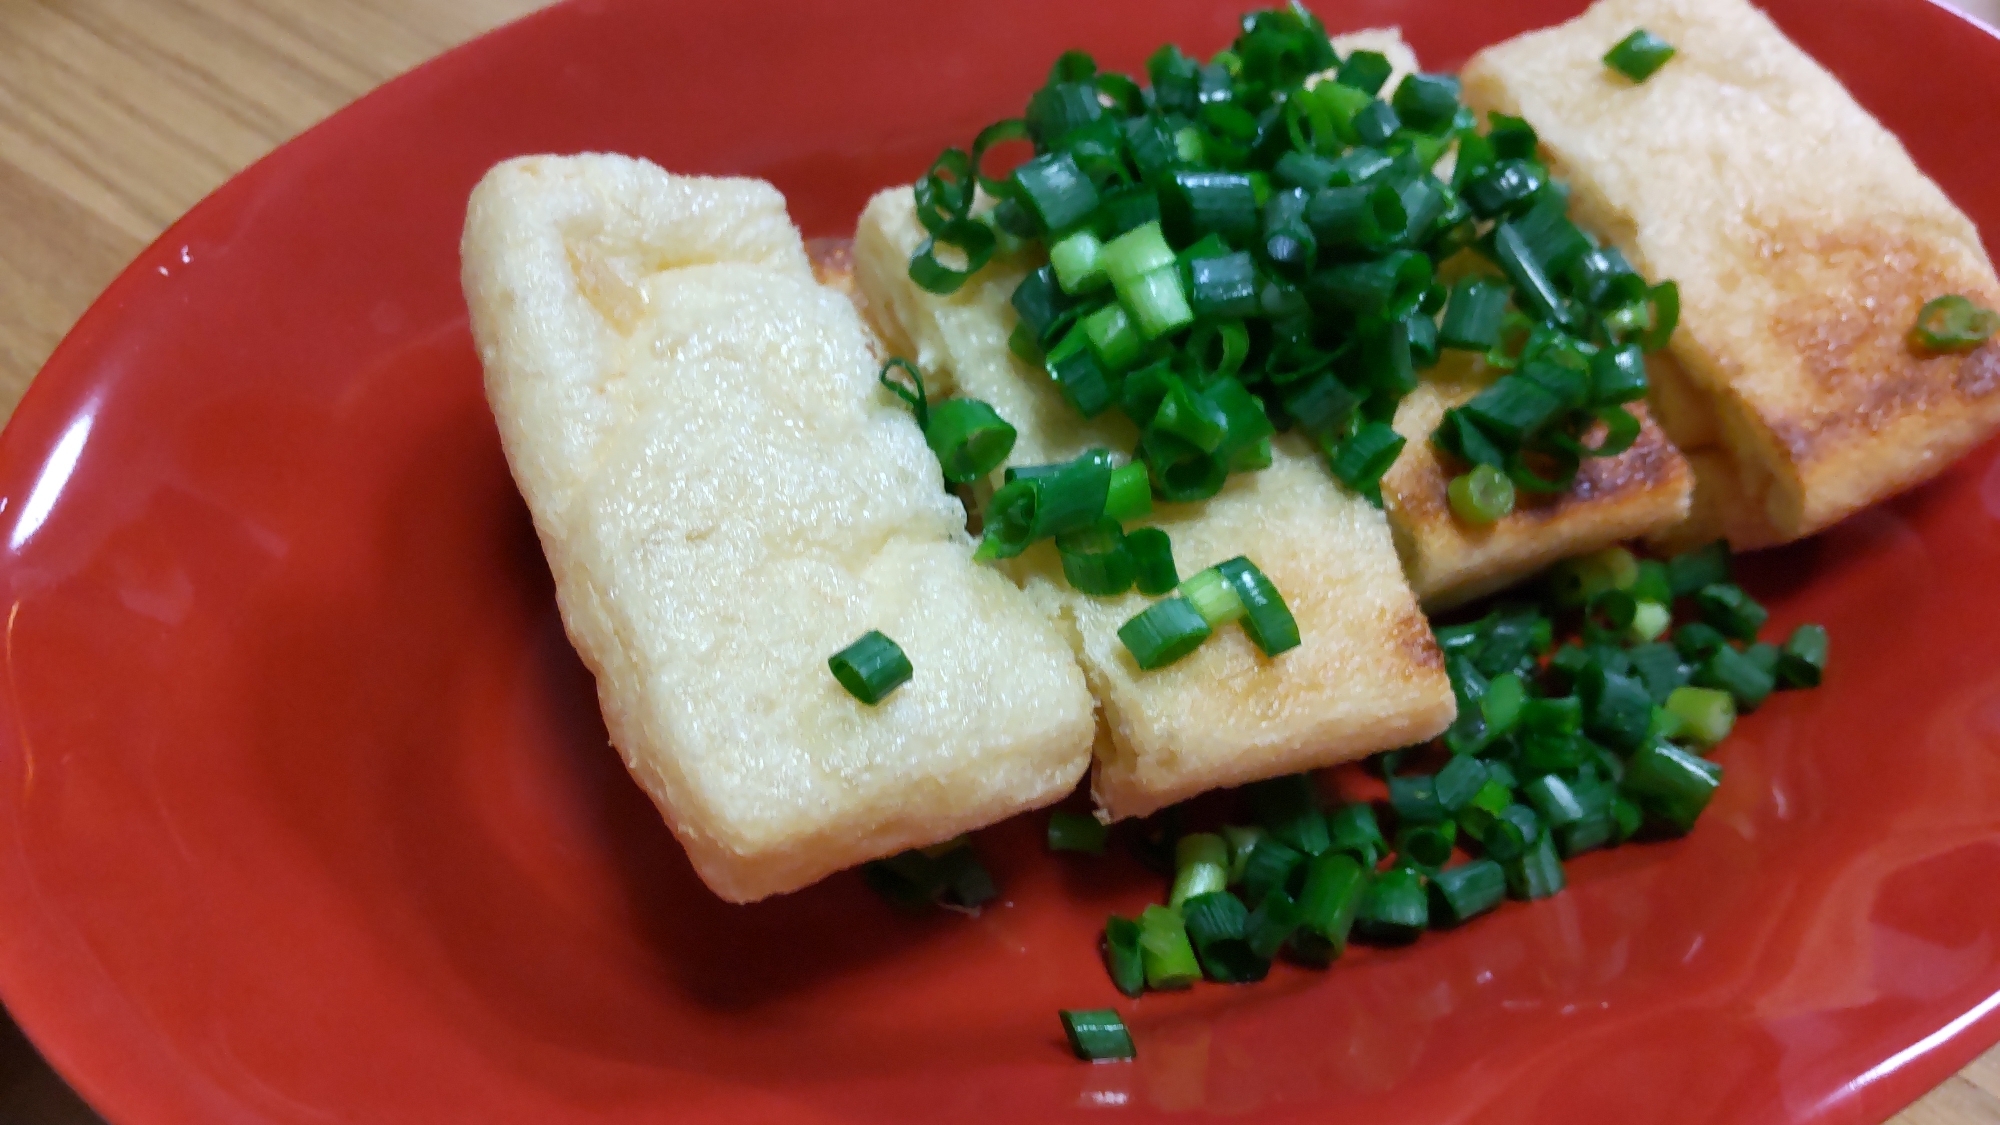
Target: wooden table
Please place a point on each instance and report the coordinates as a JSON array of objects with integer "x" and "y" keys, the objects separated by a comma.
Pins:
[{"x": 116, "y": 116}]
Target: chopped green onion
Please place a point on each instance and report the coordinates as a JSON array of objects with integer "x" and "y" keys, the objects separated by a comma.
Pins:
[
  {"x": 1122, "y": 957},
  {"x": 1269, "y": 868},
  {"x": 1639, "y": 54},
  {"x": 1163, "y": 633},
  {"x": 969, "y": 437},
  {"x": 1361, "y": 460},
  {"x": 1395, "y": 908},
  {"x": 1353, "y": 829},
  {"x": 1079, "y": 374},
  {"x": 1703, "y": 566},
  {"x": 1461, "y": 893},
  {"x": 1135, "y": 254},
  {"x": 1242, "y": 840},
  {"x": 1131, "y": 494},
  {"x": 1366, "y": 71},
  {"x": 973, "y": 241},
  {"x": 1152, "y": 561},
  {"x": 1157, "y": 302},
  {"x": 1802, "y": 661},
  {"x": 1482, "y": 496},
  {"x": 1650, "y": 621},
  {"x": 1705, "y": 714},
  {"x": 1113, "y": 340},
  {"x": 1097, "y": 1035},
  {"x": 1361, "y": 216},
  {"x": 1057, "y": 191},
  {"x": 1671, "y": 783},
  {"x": 966, "y": 882},
  {"x": 1736, "y": 673},
  {"x": 1473, "y": 315},
  {"x": 1076, "y": 832},
  {"x": 1212, "y": 596},
  {"x": 1223, "y": 286},
  {"x": 1731, "y": 611},
  {"x": 1201, "y": 865},
  {"x": 1193, "y": 204},
  {"x": 1427, "y": 845},
  {"x": 1267, "y": 619},
  {"x": 1696, "y": 641},
  {"x": 1537, "y": 873},
  {"x": 1078, "y": 260},
  {"x": 1271, "y": 925},
  {"x": 1217, "y": 924},
  {"x": 1165, "y": 951},
  {"x": 1044, "y": 501},
  {"x": 1427, "y": 102},
  {"x": 1953, "y": 324},
  {"x": 871, "y": 667},
  {"x": 1335, "y": 886},
  {"x": 1504, "y": 188}
]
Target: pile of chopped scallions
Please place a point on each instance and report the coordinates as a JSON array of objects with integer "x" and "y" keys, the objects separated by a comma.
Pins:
[
  {"x": 1263, "y": 243},
  {"x": 1558, "y": 749}
]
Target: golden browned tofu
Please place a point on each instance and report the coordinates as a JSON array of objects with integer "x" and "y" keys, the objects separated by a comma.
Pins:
[
  {"x": 1804, "y": 241},
  {"x": 727, "y": 499},
  {"x": 1642, "y": 490},
  {"x": 1367, "y": 675}
]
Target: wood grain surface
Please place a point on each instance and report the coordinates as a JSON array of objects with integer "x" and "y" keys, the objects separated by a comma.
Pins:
[{"x": 116, "y": 116}]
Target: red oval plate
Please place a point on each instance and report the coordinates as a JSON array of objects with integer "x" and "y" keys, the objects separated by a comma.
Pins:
[{"x": 308, "y": 814}]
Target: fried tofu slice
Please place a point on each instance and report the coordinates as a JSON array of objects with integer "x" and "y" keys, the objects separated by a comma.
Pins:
[
  {"x": 727, "y": 499},
  {"x": 1367, "y": 675},
  {"x": 1803, "y": 238},
  {"x": 1643, "y": 490}
]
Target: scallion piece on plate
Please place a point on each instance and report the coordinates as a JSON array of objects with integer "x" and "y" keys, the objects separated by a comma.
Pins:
[
  {"x": 1735, "y": 613},
  {"x": 1733, "y": 671},
  {"x": 1395, "y": 908},
  {"x": 1953, "y": 324},
  {"x": 1272, "y": 924},
  {"x": 1802, "y": 660},
  {"x": 1217, "y": 926},
  {"x": 1353, "y": 829},
  {"x": 1122, "y": 957},
  {"x": 1460, "y": 893},
  {"x": 1639, "y": 55},
  {"x": 1097, "y": 1035},
  {"x": 1152, "y": 561},
  {"x": 1473, "y": 315},
  {"x": 1670, "y": 783},
  {"x": 1201, "y": 865},
  {"x": 871, "y": 667},
  {"x": 1165, "y": 951},
  {"x": 1076, "y": 832},
  {"x": 1328, "y": 905},
  {"x": 1537, "y": 873},
  {"x": 1269, "y": 868},
  {"x": 1706, "y": 715}
]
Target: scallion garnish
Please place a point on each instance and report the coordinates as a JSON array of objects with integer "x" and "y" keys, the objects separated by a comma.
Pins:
[
  {"x": 1076, "y": 832},
  {"x": 871, "y": 667},
  {"x": 1152, "y": 561},
  {"x": 1953, "y": 324},
  {"x": 1164, "y": 949},
  {"x": 1163, "y": 633},
  {"x": 1481, "y": 495},
  {"x": 1639, "y": 54},
  {"x": 1098, "y": 1035}
]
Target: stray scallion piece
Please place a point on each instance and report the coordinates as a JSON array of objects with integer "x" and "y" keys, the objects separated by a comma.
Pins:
[
  {"x": 1266, "y": 617},
  {"x": 1201, "y": 866},
  {"x": 1802, "y": 661},
  {"x": 1639, "y": 55},
  {"x": 871, "y": 667},
  {"x": 1076, "y": 832},
  {"x": 1953, "y": 323},
  {"x": 1469, "y": 889},
  {"x": 1098, "y": 1035}
]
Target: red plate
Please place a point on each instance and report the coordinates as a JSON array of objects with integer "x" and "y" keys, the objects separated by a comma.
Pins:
[{"x": 306, "y": 812}]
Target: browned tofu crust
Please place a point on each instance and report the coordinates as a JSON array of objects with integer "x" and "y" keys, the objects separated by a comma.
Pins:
[
  {"x": 1637, "y": 493},
  {"x": 1803, "y": 238}
]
